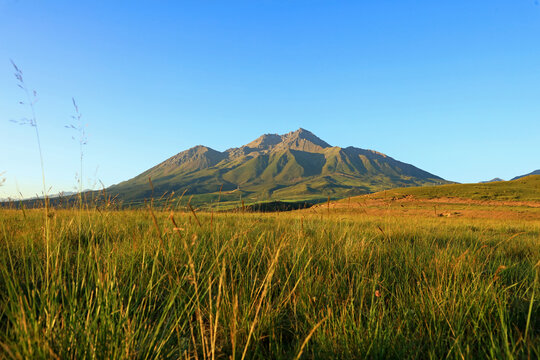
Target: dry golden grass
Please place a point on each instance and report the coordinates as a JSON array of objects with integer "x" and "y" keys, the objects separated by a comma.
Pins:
[{"x": 377, "y": 279}]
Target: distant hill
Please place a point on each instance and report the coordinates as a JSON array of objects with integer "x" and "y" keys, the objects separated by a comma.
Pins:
[
  {"x": 522, "y": 189},
  {"x": 293, "y": 166},
  {"x": 535, "y": 172},
  {"x": 492, "y": 180}
]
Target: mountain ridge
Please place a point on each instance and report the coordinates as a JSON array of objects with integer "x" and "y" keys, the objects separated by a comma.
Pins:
[{"x": 535, "y": 172}]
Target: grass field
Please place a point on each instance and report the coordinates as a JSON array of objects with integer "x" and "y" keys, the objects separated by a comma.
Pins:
[
  {"x": 523, "y": 189},
  {"x": 359, "y": 278}
]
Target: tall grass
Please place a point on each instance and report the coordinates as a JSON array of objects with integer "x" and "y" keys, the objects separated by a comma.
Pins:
[
  {"x": 248, "y": 286},
  {"x": 30, "y": 101}
]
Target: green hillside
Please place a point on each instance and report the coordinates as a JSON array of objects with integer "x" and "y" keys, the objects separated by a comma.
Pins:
[
  {"x": 294, "y": 166},
  {"x": 522, "y": 189}
]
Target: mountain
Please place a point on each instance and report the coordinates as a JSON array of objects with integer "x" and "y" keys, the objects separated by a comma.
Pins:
[
  {"x": 535, "y": 172},
  {"x": 293, "y": 166},
  {"x": 492, "y": 180}
]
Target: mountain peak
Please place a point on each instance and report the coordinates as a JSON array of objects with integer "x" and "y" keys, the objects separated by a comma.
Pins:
[
  {"x": 300, "y": 139},
  {"x": 265, "y": 140},
  {"x": 302, "y": 133},
  {"x": 492, "y": 180},
  {"x": 304, "y": 140},
  {"x": 197, "y": 157}
]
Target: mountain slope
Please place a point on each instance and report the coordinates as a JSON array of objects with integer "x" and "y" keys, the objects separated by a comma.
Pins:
[
  {"x": 297, "y": 165},
  {"x": 535, "y": 172}
]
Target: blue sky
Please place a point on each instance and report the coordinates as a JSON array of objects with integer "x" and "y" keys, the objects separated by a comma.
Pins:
[{"x": 449, "y": 86}]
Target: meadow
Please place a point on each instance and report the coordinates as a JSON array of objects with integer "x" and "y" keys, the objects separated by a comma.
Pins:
[{"x": 396, "y": 279}]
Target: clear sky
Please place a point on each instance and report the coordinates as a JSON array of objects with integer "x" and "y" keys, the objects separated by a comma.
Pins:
[{"x": 450, "y": 86}]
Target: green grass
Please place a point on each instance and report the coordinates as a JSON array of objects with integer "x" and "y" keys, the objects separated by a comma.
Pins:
[{"x": 323, "y": 284}]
